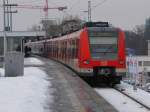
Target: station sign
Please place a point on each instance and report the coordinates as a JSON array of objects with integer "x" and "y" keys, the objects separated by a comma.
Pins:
[{"x": 132, "y": 65}]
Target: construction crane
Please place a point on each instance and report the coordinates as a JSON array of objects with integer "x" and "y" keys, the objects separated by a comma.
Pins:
[
  {"x": 44, "y": 8},
  {"x": 39, "y": 7}
]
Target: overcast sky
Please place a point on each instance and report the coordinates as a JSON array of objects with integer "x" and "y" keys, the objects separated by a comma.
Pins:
[{"x": 125, "y": 14}]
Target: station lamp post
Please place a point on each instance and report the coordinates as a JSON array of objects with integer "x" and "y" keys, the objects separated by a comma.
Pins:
[
  {"x": 7, "y": 27},
  {"x": 4, "y": 28}
]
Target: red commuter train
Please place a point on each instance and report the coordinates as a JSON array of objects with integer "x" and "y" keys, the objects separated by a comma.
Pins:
[{"x": 96, "y": 50}]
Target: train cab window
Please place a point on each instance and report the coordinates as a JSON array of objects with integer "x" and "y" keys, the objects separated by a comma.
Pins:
[{"x": 103, "y": 42}]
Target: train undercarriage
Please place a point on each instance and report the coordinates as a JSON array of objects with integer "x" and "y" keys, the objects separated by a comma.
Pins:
[{"x": 103, "y": 76}]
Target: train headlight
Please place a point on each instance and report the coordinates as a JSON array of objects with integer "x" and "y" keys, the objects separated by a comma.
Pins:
[
  {"x": 104, "y": 71},
  {"x": 86, "y": 62}
]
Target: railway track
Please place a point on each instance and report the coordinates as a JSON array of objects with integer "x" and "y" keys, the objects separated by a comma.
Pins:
[
  {"x": 137, "y": 101},
  {"x": 120, "y": 90},
  {"x": 142, "y": 106},
  {"x": 137, "y": 105},
  {"x": 122, "y": 101}
]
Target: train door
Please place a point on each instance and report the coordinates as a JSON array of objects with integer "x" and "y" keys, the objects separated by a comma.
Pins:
[{"x": 65, "y": 51}]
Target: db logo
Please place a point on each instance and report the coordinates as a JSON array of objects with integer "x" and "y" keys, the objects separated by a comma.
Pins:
[{"x": 104, "y": 63}]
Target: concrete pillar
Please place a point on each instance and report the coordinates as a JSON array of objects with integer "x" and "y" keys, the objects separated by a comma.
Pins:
[{"x": 14, "y": 64}]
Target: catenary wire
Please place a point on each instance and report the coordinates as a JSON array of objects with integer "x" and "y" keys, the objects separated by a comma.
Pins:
[{"x": 102, "y": 2}]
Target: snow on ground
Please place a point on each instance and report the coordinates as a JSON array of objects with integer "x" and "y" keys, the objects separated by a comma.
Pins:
[
  {"x": 139, "y": 94},
  {"x": 29, "y": 93},
  {"x": 119, "y": 101},
  {"x": 33, "y": 61}
]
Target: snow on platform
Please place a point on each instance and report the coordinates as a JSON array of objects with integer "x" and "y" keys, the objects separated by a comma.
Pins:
[
  {"x": 32, "y": 61},
  {"x": 29, "y": 93}
]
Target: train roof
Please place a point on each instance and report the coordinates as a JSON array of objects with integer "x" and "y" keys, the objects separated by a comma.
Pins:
[
  {"x": 96, "y": 24},
  {"x": 67, "y": 36}
]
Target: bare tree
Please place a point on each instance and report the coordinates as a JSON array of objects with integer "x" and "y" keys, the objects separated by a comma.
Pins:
[
  {"x": 51, "y": 27},
  {"x": 139, "y": 30},
  {"x": 135, "y": 40},
  {"x": 147, "y": 29},
  {"x": 35, "y": 28},
  {"x": 55, "y": 29}
]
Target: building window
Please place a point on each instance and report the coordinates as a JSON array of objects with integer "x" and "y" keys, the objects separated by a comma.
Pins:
[
  {"x": 140, "y": 63},
  {"x": 146, "y": 63}
]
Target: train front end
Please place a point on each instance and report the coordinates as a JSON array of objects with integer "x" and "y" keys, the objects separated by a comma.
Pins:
[{"x": 102, "y": 52}]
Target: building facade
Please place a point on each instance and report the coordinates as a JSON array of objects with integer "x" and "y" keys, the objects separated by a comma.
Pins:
[{"x": 138, "y": 69}]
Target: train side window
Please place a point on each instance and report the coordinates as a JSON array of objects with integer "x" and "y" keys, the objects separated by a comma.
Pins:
[
  {"x": 49, "y": 46},
  {"x": 54, "y": 49},
  {"x": 62, "y": 49},
  {"x": 69, "y": 49},
  {"x": 59, "y": 50},
  {"x": 77, "y": 47},
  {"x": 73, "y": 49},
  {"x": 64, "y": 46}
]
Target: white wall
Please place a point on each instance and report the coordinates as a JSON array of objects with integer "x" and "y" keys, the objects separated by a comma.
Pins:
[
  {"x": 148, "y": 47},
  {"x": 144, "y": 60}
]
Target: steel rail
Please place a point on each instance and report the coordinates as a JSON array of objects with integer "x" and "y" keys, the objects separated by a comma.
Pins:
[{"x": 137, "y": 101}]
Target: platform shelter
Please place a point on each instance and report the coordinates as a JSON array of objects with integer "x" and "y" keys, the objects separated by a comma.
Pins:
[{"x": 15, "y": 40}]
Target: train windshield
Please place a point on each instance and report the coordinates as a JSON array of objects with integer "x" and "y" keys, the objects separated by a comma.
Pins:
[{"x": 103, "y": 42}]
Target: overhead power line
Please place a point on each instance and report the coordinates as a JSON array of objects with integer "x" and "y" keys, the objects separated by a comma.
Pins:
[
  {"x": 90, "y": 9},
  {"x": 75, "y": 4},
  {"x": 29, "y": 2},
  {"x": 94, "y": 7},
  {"x": 37, "y": 7}
]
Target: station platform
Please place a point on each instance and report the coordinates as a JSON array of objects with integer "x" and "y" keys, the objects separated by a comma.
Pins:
[{"x": 71, "y": 93}]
